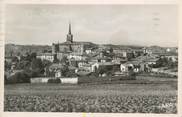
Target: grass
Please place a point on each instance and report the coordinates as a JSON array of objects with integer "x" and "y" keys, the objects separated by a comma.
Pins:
[{"x": 85, "y": 89}]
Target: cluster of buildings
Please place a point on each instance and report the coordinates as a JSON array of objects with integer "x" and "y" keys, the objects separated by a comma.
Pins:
[{"x": 87, "y": 57}]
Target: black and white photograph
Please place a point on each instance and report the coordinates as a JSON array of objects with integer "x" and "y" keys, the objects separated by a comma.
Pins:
[{"x": 91, "y": 58}]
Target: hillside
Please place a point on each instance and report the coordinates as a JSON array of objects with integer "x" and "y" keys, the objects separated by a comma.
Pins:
[
  {"x": 12, "y": 49},
  {"x": 122, "y": 46}
]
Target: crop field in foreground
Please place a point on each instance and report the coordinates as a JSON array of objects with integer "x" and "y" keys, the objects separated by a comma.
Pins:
[{"x": 103, "y": 98}]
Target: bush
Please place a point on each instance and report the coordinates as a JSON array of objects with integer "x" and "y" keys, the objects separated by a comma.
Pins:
[
  {"x": 19, "y": 77},
  {"x": 93, "y": 74},
  {"x": 70, "y": 73},
  {"x": 57, "y": 80}
]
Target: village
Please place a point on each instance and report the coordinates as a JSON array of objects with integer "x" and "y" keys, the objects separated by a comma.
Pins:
[
  {"x": 98, "y": 59},
  {"x": 72, "y": 59}
]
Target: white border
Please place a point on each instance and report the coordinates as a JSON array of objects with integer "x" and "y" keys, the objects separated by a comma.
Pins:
[
  {"x": 91, "y": 1},
  {"x": 46, "y": 114}
]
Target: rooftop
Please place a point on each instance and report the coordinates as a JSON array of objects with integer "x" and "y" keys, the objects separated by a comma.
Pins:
[
  {"x": 45, "y": 54},
  {"x": 75, "y": 43},
  {"x": 108, "y": 63}
]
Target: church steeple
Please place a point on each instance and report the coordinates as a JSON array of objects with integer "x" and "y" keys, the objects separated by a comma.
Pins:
[
  {"x": 69, "y": 35},
  {"x": 69, "y": 32}
]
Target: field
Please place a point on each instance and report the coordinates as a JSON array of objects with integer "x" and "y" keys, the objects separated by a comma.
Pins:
[{"x": 153, "y": 96}]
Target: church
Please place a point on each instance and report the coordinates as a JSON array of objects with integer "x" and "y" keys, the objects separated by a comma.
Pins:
[{"x": 70, "y": 46}]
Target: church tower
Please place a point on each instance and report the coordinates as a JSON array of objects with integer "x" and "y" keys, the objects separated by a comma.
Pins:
[{"x": 69, "y": 35}]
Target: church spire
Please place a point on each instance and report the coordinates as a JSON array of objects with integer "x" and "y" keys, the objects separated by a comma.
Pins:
[
  {"x": 69, "y": 35},
  {"x": 69, "y": 28}
]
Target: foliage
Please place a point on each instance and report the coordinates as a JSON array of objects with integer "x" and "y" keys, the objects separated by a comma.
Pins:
[
  {"x": 64, "y": 61},
  {"x": 46, "y": 63},
  {"x": 130, "y": 55},
  {"x": 7, "y": 65},
  {"x": 5, "y": 79},
  {"x": 23, "y": 65},
  {"x": 94, "y": 74},
  {"x": 57, "y": 80},
  {"x": 80, "y": 103},
  {"x": 33, "y": 56},
  {"x": 37, "y": 66},
  {"x": 104, "y": 69},
  {"x": 107, "y": 70},
  {"x": 49, "y": 73},
  {"x": 165, "y": 62},
  {"x": 70, "y": 73},
  {"x": 22, "y": 49},
  {"x": 19, "y": 77},
  {"x": 31, "y": 66},
  {"x": 29, "y": 62},
  {"x": 111, "y": 50},
  {"x": 64, "y": 70},
  {"x": 15, "y": 59}
]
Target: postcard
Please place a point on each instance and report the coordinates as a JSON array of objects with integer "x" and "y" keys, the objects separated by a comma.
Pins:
[{"x": 90, "y": 59}]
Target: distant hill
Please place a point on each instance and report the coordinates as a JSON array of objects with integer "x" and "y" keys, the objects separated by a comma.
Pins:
[
  {"x": 123, "y": 46},
  {"x": 157, "y": 49},
  {"x": 12, "y": 49}
]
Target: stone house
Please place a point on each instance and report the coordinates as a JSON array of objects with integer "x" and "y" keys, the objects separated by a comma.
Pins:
[{"x": 46, "y": 56}]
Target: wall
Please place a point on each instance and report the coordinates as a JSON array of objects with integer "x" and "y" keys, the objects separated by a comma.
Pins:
[
  {"x": 63, "y": 80},
  {"x": 39, "y": 80},
  {"x": 69, "y": 80}
]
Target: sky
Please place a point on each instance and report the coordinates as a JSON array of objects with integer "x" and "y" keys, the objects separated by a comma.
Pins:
[{"x": 143, "y": 25}]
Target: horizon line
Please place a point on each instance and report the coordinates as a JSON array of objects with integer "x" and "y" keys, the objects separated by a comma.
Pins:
[{"x": 97, "y": 44}]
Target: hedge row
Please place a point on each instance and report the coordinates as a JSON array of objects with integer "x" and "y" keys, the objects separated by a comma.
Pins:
[{"x": 57, "y": 80}]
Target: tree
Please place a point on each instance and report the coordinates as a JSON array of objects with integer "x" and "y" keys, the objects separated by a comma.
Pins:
[
  {"x": 37, "y": 66},
  {"x": 19, "y": 77},
  {"x": 102, "y": 70},
  {"x": 163, "y": 62},
  {"x": 28, "y": 57},
  {"x": 46, "y": 63},
  {"x": 64, "y": 61},
  {"x": 23, "y": 65},
  {"x": 111, "y": 50},
  {"x": 7, "y": 65},
  {"x": 171, "y": 63},
  {"x": 15, "y": 59},
  {"x": 71, "y": 73},
  {"x": 94, "y": 74},
  {"x": 33, "y": 56},
  {"x": 5, "y": 78},
  {"x": 130, "y": 55},
  {"x": 64, "y": 70}
]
